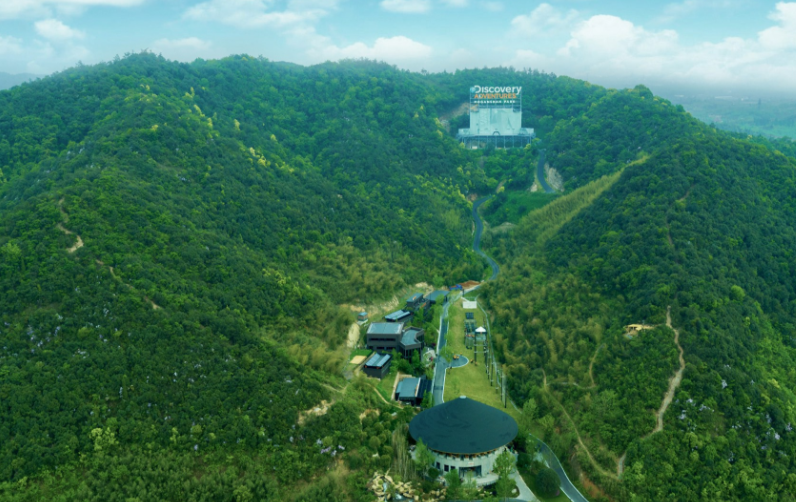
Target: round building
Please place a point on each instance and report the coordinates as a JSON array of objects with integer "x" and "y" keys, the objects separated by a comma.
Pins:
[{"x": 466, "y": 435}]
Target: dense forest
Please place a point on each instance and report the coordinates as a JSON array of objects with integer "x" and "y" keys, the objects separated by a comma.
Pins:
[
  {"x": 670, "y": 214},
  {"x": 179, "y": 244}
]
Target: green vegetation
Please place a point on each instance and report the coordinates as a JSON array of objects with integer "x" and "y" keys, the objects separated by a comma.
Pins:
[
  {"x": 702, "y": 222},
  {"x": 511, "y": 206},
  {"x": 179, "y": 244},
  {"x": 547, "y": 482}
]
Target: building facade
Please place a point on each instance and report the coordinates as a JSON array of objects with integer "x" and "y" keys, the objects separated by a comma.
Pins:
[{"x": 466, "y": 435}]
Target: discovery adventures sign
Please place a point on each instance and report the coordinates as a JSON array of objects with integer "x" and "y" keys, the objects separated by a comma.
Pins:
[{"x": 488, "y": 95}]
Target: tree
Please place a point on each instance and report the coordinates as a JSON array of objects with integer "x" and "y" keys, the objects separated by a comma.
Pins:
[
  {"x": 454, "y": 483},
  {"x": 423, "y": 457},
  {"x": 527, "y": 419},
  {"x": 548, "y": 482},
  {"x": 504, "y": 466},
  {"x": 428, "y": 400},
  {"x": 469, "y": 490}
]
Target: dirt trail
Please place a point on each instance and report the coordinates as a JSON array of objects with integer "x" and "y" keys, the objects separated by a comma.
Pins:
[
  {"x": 353, "y": 335},
  {"x": 591, "y": 364},
  {"x": 674, "y": 382},
  {"x": 79, "y": 243},
  {"x": 594, "y": 463}
]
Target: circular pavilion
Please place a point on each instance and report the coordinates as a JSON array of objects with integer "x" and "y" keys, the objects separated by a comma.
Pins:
[{"x": 466, "y": 435}]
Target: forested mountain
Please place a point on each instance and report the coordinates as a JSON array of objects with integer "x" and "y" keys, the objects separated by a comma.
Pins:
[
  {"x": 178, "y": 243},
  {"x": 699, "y": 223}
]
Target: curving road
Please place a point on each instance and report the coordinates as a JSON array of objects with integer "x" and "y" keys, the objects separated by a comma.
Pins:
[
  {"x": 540, "y": 173},
  {"x": 479, "y": 229},
  {"x": 438, "y": 386},
  {"x": 552, "y": 461}
]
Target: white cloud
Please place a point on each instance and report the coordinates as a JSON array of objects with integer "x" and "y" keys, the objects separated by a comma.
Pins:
[
  {"x": 608, "y": 37},
  {"x": 784, "y": 35},
  {"x": 398, "y": 49},
  {"x": 614, "y": 51},
  {"x": 10, "y": 45},
  {"x": 55, "y": 30},
  {"x": 406, "y": 6},
  {"x": 257, "y": 13},
  {"x": 182, "y": 43},
  {"x": 674, "y": 11},
  {"x": 543, "y": 19},
  {"x": 13, "y": 9}
]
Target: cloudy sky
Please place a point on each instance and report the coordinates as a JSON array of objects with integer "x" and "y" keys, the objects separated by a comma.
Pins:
[{"x": 719, "y": 45}]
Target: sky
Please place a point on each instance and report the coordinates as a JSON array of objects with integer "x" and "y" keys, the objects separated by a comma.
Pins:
[{"x": 720, "y": 46}]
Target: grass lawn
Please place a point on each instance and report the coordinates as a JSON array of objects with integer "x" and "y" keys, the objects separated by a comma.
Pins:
[
  {"x": 470, "y": 380},
  {"x": 512, "y": 205}
]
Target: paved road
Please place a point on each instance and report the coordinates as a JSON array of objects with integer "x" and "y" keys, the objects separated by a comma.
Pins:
[
  {"x": 566, "y": 485},
  {"x": 479, "y": 229},
  {"x": 438, "y": 385},
  {"x": 540, "y": 173}
]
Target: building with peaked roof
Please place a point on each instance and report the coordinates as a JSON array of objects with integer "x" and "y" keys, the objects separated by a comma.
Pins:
[
  {"x": 466, "y": 435},
  {"x": 378, "y": 365}
]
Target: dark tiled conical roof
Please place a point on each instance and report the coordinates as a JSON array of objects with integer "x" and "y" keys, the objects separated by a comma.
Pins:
[{"x": 463, "y": 426}]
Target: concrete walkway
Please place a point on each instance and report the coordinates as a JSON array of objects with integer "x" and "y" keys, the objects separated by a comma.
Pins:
[{"x": 525, "y": 492}]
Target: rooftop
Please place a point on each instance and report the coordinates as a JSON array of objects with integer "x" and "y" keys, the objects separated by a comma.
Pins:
[
  {"x": 432, "y": 297},
  {"x": 410, "y": 336},
  {"x": 469, "y": 305},
  {"x": 407, "y": 388},
  {"x": 463, "y": 426},
  {"x": 385, "y": 328},
  {"x": 397, "y": 315},
  {"x": 377, "y": 360}
]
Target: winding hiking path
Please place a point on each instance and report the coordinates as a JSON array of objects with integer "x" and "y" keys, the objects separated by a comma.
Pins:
[
  {"x": 591, "y": 365},
  {"x": 79, "y": 243},
  {"x": 674, "y": 382}
]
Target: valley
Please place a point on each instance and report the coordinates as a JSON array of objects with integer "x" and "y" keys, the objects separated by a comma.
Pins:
[{"x": 185, "y": 249}]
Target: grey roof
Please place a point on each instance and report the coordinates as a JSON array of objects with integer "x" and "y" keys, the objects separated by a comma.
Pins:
[
  {"x": 377, "y": 360},
  {"x": 415, "y": 297},
  {"x": 409, "y": 337},
  {"x": 407, "y": 388},
  {"x": 463, "y": 426},
  {"x": 432, "y": 297},
  {"x": 385, "y": 328},
  {"x": 398, "y": 314}
]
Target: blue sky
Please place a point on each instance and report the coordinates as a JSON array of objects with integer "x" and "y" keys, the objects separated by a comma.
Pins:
[{"x": 719, "y": 45}]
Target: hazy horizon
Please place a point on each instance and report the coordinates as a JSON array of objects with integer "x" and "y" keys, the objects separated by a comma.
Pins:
[{"x": 746, "y": 47}]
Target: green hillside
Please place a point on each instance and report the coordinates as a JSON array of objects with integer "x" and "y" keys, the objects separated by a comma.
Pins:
[
  {"x": 704, "y": 225},
  {"x": 180, "y": 244}
]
